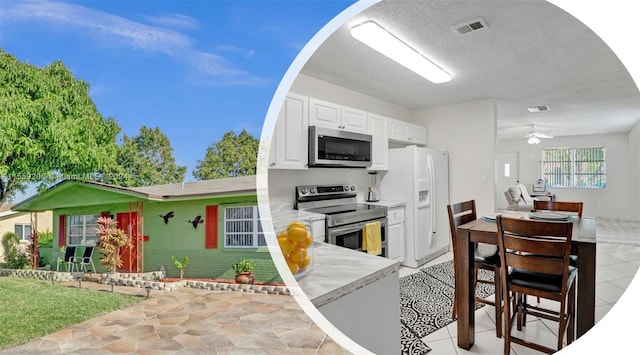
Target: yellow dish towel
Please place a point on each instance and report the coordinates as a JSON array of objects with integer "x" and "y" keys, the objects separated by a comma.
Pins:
[{"x": 372, "y": 238}]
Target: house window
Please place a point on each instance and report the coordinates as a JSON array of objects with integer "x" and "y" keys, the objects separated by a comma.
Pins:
[
  {"x": 242, "y": 227},
  {"x": 82, "y": 230},
  {"x": 23, "y": 231},
  {"x": 575, "y": 167}
]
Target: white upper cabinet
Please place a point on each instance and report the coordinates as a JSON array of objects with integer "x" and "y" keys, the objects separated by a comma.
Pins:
[
  {"x": 405, "y": 132},
  {"x": 289, "y": 144},
  {"x": 330, "y": 115},
  {"x": 380, "y": 142},
  {"x": 354, "y": 120},
  {"x": 418, "y": 135}
]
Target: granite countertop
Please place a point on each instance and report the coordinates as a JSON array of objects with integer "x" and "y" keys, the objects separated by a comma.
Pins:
[
  {"x": 282, "y": 217},
  {"x": 338, "y": 271}
]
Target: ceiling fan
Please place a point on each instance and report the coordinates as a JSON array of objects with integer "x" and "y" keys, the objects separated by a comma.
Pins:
[{"x": 534, "y": 136}]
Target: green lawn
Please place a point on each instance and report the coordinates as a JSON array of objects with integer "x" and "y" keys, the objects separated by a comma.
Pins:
[{"x": 32, "y": 308}]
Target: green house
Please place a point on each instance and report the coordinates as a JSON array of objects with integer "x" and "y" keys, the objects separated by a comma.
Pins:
[{"x": 213, "y": 222}]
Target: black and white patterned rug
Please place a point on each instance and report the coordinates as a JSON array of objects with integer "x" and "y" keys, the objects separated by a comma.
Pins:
[{"x": 426, "y": 302}]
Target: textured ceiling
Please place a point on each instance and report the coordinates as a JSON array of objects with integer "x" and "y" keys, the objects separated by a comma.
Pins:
[{"x": 532, "y": 53}]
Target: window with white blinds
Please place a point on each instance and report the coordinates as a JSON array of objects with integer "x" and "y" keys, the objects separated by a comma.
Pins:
[
  {"x": 82, "y": 230},
  {"x": 242, "y": 227},
  {"x": 575, "y": 167},
  {"x": 23, "y": 231}
]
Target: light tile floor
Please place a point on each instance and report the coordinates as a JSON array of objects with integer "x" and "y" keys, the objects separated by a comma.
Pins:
[{"x": 616, "y": 265}]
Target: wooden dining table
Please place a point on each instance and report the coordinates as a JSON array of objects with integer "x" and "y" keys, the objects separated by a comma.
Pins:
[{"x": 483, "y": 231}]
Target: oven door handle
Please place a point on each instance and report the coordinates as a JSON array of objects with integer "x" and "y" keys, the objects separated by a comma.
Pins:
[
  {"x": 347, "y": 229},
  {"x": 354, "y": 227}
]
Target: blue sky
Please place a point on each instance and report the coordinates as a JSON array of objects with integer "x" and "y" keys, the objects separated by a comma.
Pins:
[{"x": 196, "y": 69}]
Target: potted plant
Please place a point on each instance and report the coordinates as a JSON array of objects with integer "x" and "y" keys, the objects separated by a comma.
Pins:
[{"x": 244, "y": 271}]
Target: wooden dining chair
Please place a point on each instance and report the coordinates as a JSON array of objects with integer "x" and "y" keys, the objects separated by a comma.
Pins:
[
  {"x": 461, "y": 213},
  {"x": 535, "y": 261},
  {"x": 562, "y": 206}
]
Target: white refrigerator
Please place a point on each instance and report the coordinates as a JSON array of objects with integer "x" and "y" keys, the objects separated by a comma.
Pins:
[{"x": 420, "y": 177}]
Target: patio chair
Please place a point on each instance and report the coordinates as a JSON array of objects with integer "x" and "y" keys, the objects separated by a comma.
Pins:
[
  {"x": 69, "y": 257},
  {"x": 86, "y": 259}
]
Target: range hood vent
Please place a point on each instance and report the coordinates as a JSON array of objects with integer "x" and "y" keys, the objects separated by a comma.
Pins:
[{"x": 470, "y": 26}]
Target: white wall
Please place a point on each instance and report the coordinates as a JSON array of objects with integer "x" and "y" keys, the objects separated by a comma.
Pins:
[
  {"x": 613, "y": 201},
  {"x": 634, "y": 172},
  {"x": 283, "y": 182},
  {"x": 310, "y": 86},
  {"x": 467, "y": 130}
]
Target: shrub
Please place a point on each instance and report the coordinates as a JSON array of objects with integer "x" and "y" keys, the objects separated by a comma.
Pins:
[
  {"x": 45, "y": 238},
  {"x": 111, "y": 240}
]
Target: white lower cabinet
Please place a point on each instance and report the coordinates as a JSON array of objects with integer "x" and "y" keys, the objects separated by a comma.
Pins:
[{"x": 395, "y": 233}]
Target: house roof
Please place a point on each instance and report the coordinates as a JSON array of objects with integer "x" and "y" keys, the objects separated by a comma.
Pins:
[
  {"x": 6, "y": 207},
  {"x": 200, "y": 188},
  {"x": 187, "y": 190},
  {"x": 5, "y": 210}
]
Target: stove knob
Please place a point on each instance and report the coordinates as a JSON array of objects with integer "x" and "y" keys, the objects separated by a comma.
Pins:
[
  {"x": 304, "y": 190},
  {"x": 353, "y": 187},
  {"x": 312, "y": 190},
  {"x": 346, "y": 188}
]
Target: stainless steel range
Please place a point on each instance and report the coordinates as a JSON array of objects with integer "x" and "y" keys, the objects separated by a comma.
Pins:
[{"x": 345, "y": 217}]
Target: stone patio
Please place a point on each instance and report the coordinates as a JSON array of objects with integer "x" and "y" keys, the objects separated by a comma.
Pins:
[{"x": 190, "y": 321}]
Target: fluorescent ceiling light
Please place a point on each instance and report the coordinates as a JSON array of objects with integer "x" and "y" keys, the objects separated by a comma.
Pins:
[
  {"x": 376, "y": 37},
  {"x": 533, "y": 140}
]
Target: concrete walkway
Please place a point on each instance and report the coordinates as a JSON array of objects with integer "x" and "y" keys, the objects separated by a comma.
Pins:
[{"x": 191, "y": 321}]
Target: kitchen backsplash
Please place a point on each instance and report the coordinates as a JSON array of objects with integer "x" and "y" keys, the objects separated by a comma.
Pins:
[{"x": 282, "y": 183}]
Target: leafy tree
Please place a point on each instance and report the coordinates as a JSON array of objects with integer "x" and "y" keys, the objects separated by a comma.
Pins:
[
  {"x": 146, "y": 159},
  {"x": 234, "y": 155},
  {"x": 50, "y": 129}
]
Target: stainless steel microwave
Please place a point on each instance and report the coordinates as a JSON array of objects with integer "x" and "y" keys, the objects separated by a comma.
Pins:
[{"x": 338, "y": 149}]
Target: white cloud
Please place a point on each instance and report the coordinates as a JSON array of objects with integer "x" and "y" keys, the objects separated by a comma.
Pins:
[
  {"x": 218, "y": 72},
  {"x": 174, "y": 20},
  {"x": 128, "y": 33},
  {"x": 246, "y": 53}
]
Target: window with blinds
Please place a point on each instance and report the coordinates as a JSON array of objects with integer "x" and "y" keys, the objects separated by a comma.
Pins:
[
  {"x": 575, "y": 167},
  {"x": 23, "y": 231},
  {"x": 242, "y": 227},
  {"x": 82, "y": 230}
]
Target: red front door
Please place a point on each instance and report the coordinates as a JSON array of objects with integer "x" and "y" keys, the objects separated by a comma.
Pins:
[{"x": 130, "y": 223}]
